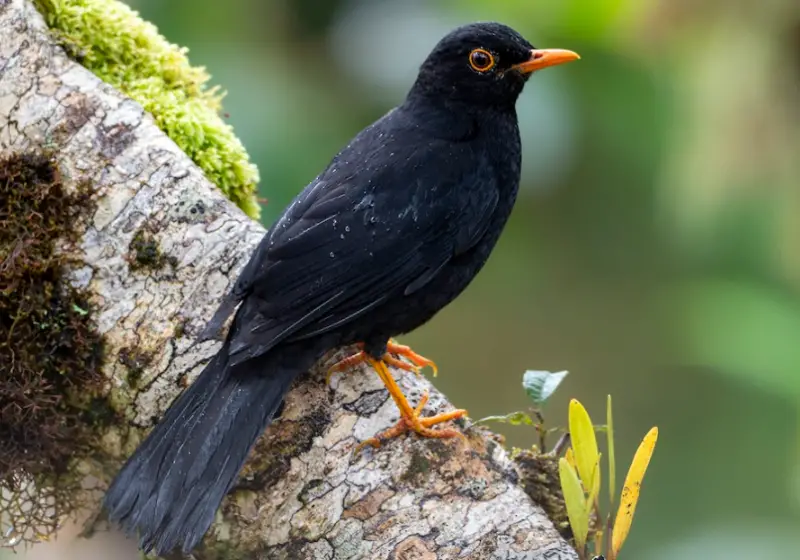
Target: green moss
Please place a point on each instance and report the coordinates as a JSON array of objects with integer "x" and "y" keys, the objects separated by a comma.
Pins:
[
  {"x": 110, "y": 39},
  {"x": 136, "y": 361},
  {"x": 309, "y": 491},
  {"x": 50, "y": 353},
  {"x": 418, "y": 466},
  {"x": 98, "y": 412},
  {"x": 180, "y": 328},
  {"x": 146, "y": 254}
]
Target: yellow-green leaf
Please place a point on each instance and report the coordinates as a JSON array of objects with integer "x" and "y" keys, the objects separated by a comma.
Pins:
[
  {"x": 631, "y": 490},
  {"x": 570, "y": 457},
  {"x": 584, "y": 441},
  {"x": 575, "y": 501},
  {"x": 594, "y": 488},
  {"x": 612, "y": 466}
]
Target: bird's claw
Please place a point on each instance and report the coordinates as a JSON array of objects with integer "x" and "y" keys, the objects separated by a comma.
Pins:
[
  {"x": 346, "y": 363},
  {"x": 419, "y": 362},
  {"x": 416, "y": 366},
  {"x": 417, "y": 424}
]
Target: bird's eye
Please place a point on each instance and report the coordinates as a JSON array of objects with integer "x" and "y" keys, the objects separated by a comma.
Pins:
[{"x": 481, "y": 60}]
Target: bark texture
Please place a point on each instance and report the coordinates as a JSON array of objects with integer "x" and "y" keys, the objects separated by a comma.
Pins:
[{"x": 303, "y": 494}]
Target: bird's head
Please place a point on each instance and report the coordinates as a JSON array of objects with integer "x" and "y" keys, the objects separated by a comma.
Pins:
[{"x": 484, "y": 64}]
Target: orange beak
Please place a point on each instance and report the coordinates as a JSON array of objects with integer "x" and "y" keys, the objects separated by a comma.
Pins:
[{"x": 542, "y": 58}]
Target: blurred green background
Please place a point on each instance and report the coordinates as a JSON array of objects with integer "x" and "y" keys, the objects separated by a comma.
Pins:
[{"x": 655, "y": 249}]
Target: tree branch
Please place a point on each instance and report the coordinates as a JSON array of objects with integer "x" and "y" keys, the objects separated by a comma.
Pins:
[{"x": 159, "y": 250}]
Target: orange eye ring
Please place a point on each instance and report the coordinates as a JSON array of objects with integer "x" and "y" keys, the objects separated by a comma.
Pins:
[{"x": 481, "y": 60}]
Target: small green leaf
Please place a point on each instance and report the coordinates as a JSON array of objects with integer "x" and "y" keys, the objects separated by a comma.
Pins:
[
  {"x": 515, "y": 419},
  {"x": 79, "y": 310},
  {"x": 539, "y": 385},
  {"x": 575, "y": 501},
  {"x": 612, "y": 466}
]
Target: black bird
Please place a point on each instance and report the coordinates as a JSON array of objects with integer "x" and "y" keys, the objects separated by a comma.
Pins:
[{"x": 388, "y": 234}]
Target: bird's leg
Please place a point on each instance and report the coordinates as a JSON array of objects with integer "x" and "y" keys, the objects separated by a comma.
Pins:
[
  {"x": 410, "y": 419},
  {"x": 417, "y": 362}
]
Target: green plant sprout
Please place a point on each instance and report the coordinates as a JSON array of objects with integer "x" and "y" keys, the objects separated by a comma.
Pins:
[
  {"x": 580, "y": 471},
  {"x": 539, "y": 386}
]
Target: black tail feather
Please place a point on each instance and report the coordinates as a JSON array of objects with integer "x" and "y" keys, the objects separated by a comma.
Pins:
[{"x": 170, "y": 488}]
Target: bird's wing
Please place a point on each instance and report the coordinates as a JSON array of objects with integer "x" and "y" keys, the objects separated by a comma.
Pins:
[
  {"x": 344, "y": 247},
  {"x": 259, "y": 261}
]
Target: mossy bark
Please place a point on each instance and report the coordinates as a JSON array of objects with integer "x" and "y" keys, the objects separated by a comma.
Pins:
[
  {"x": 50, "y": 353},
  {"x": 109, "y": 38},
  {"x": 155, "y": 252}
]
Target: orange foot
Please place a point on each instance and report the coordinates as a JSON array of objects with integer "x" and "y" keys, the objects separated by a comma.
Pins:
[
  {"x": 415, "y": 423},
  {"x": 417, "y": 362},
  {"x": 410, "y": 419}
]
